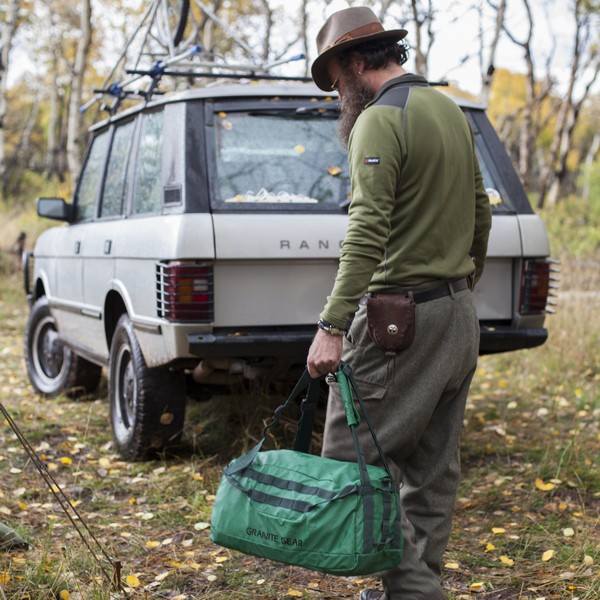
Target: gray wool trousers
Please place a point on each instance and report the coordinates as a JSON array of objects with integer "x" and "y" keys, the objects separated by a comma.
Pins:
[{"x": 416, "y": 402}]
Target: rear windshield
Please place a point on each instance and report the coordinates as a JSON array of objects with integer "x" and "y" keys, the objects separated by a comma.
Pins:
[
  {"x": 285, "y": 155},
  {"x": 280, "y": 157}
]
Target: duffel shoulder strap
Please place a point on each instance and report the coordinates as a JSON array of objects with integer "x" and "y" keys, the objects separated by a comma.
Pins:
[
  {"x": 346, "y": 381},
  {"x": 308, "y": 407}
]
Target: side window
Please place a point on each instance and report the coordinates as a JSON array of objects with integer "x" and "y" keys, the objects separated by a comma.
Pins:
[
  {"x": 116, "y": 181},
  {"x": 90, "y": 179},
  {"x": 147, "y": 196}
]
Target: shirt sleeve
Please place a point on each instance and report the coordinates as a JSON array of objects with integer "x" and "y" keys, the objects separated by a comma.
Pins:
[
  {"x": 483, "y": 222},
  {"x": 375, "y": 156}
]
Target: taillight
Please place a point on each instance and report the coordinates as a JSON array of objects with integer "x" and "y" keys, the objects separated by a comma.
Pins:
[
  {"x": 537, "y": 285},
  {"x": 184, "y": 291}
]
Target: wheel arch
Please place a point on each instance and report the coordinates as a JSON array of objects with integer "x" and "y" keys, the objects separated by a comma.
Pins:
[
  {"x": 39, "y": 289},
  {"x": 114, "y": 307}
]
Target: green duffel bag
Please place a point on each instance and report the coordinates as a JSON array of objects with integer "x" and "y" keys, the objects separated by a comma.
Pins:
[{"x": 326, "y": 515}]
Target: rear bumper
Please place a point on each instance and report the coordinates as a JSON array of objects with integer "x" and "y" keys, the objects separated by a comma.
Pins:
[
  {"x": 289, "y": 344},
  {"x": 506, "y": 339},
  {"x": 295, "y": 343}
]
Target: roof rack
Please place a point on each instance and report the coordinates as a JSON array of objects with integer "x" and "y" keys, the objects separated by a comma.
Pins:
[{"x": 160, "y": 40}]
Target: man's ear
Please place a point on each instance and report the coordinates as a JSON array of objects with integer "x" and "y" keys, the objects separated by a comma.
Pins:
[{"x": 359, "y": 65}]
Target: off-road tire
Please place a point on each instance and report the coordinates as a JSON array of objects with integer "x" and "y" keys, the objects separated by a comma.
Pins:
[
  {"x": 147, "y": 405},
  {"x": 52, "y": 367}
]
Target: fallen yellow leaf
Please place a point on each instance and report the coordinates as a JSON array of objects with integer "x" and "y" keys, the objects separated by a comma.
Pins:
[
  {"x": 150, "y": 544},
  {"x": 64, "y": 595},
  {"x": 221, "y": 559},
  {"x": 299, "y": 149},
  {"x": 65, "y": 460},
  {"x": 505, "y": 560},
  {"x": 132, "y": 581},
  {"x": 568, "y": 532},
  {"x": 547, "y": 555},
  {"x": 489, "y": 547},
  {"x": 4, "y": 577},
  {"x": 294, "y": 593},
  {"x": 477, "y": 586},
  {"x": 167, "y": 418},
  {"x": 498, "y": 530},
  {"x": 541, "y": 485},
  {"x": 451, "y": 565}
]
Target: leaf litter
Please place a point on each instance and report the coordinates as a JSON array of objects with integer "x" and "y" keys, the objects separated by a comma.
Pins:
[{"x": 539, "y": 505}]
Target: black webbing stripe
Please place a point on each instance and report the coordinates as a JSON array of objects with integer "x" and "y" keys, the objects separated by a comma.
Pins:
[
  {"x": 369, "y": 517},
  {"x": 297, "y": 505},
  {"x": 385, "y": 521},
  {"x": 286, "y": 484},
  {"x": 397, "y": 523}
]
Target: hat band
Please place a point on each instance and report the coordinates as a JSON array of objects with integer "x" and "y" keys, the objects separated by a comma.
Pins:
[{"x": 356, "y": 33}]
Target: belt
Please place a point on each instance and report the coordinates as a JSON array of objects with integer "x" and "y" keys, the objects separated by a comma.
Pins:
[{"x": 440, "y": 291}]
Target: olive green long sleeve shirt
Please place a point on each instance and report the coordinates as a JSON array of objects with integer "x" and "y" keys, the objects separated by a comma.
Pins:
[{"x": 419, "y": 212}]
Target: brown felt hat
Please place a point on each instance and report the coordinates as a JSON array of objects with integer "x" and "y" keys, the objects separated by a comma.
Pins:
[{"x": 344, "y": 29}]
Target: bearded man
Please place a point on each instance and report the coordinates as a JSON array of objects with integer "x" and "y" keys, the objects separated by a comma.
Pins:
[{"x": 418, "y": 228}]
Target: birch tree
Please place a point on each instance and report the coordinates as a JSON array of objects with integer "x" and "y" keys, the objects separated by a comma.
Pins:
[
  {"x": 487, "y": 63},
  {"x": 8, "y": 28},
  {"x": 74, "y": 122},
  {"x": 585, "y": 63},
  {"x": 535, "y": 94}
]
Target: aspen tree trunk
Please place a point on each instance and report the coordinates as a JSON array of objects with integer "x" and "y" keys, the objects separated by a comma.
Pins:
[
  {"x": 74, "y": 116},
  {"x": 422, "y": 17},
  {"x": 589, "y": 161},
  {"x": 556, "y": 170},
  {"x": 52, "y": 150},
  {"x": 8, "y": 28},
  {"x": 487, "y": 66}
]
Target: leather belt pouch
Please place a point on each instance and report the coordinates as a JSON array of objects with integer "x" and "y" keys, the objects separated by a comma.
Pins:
[{"x": 391, "y": 321}]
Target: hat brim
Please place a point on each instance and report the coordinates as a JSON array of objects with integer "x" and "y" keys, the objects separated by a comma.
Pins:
[{"x": 319, "y": 66}]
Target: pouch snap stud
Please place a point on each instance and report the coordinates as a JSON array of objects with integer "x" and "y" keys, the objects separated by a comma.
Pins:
[{"x": 392, "y": 329}]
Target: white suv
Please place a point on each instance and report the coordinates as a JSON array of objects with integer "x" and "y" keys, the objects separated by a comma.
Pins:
[{"x": 203, "y": 238}]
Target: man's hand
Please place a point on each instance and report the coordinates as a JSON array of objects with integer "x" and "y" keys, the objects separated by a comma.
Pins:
[{"x": 324, "y": 354}]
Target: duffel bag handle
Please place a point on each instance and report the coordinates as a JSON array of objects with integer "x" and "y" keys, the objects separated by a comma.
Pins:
[{"x": 352, "y": 415}]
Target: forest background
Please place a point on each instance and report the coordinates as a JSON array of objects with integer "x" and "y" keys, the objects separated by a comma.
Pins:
[{"x": 535, "y": 63}]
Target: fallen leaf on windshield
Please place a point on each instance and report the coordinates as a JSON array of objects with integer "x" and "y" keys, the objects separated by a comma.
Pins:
[
  {"x": 334, "y": 171},
  {"x": 299, "y": 149}
]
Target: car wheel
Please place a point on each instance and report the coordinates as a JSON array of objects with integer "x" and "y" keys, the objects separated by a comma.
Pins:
[
  {"x": 147, "y": 405},
  {"x": 52, "y": 367}
]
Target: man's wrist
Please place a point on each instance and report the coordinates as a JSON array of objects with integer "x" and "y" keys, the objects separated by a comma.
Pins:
[{"x": 331, "y": 329}]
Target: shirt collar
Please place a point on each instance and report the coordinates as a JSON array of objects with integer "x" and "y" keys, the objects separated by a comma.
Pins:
[{"x": 406, "y": 79}]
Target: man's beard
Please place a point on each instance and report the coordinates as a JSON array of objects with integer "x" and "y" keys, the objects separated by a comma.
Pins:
[{"x": 357, "y": 96}]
